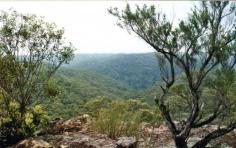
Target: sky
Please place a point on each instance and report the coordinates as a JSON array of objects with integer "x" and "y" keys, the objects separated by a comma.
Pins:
[{"x": 89, "y": 26}]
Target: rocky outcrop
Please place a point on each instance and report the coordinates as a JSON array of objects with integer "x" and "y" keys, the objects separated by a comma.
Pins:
[
  {"x": 126, "y": 142},
  {"x": 80, "y": 123},
  {"x": 72, "y": 133},
  {"x": 75, "y": 133},
  {"x": 79, "y": 140},
  {"x": 33, "y": 143},
  {"x": 230, "y": 139}
]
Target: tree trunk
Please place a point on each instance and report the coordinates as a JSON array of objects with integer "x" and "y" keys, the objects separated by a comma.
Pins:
[
  {"x": 200, "y": 145},
  {"x": 180, "y": 143},
  {"x": 22, "y": 111}
]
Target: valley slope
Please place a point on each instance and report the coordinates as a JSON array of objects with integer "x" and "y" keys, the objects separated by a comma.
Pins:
[
  {"x": 122, "y": 76},
  {"x": 139, "y": 71}
]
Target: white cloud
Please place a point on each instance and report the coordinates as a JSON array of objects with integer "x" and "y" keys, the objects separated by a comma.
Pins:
[{"x": 89, "y": 26}]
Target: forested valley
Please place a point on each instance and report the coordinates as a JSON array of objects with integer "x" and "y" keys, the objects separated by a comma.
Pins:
[
  {"x": 95, "y": 75},
  {"x": 182, "y": 94}
]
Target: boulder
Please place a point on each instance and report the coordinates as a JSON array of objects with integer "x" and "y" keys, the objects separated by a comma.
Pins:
[
  {"x": 76, "y": 124},
  {"x": 79, "y": 140},
  {"x": 33, "y": 143},
  {"x": 126, "y": 142},
  {"x": 230, "y": 139}
]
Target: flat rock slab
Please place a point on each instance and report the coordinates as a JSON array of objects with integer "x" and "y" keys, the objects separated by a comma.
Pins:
[
  {"x": 126, "y": 142},
  {"x": 33, "y": 143},
  {"x": 79, "y": 141}
]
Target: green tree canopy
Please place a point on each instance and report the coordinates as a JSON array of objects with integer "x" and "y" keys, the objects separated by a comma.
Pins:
[
  {"x": 202, "y": 43},
  {"x": 31, "y": 51}
]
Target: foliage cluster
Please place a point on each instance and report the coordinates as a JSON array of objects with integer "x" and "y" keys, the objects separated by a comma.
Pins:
[
  {"x": 120, "y": 118},
  {"x": 202, "y": 43},
  {"x": 31, "y": 51},
  {"x": 14, "y": 127}
]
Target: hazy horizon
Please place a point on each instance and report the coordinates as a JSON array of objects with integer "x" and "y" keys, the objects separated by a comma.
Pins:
[
  {"x": 90, "y": 27},
  {"x": 119, "y": 52}
]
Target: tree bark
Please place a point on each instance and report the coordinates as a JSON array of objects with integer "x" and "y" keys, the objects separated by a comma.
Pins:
[
  {"x": 22, "y": 111},
  {"x": 180, "y": 143},
  {"x": 213, "y": 135}
]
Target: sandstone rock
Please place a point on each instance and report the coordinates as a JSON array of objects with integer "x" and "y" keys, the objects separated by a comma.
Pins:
[
  {"x": 79, "y": 140},
  {"x": 33, "y": 143},
  {"x": 126, "y": 142},
  {"x": 230, "y": 139},
  {"x": 56, "y": 121},
  {"x": 55, "y": 126},
  {"x": 76, "y": 124},
  {"x": 74, "y": 133}
]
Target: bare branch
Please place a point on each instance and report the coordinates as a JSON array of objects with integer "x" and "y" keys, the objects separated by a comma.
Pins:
[{"x": 213, "y": 135}]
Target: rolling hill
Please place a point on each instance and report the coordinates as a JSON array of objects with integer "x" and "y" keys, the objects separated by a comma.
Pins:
[
  {"x": 79, "y": 86},
  {"x": 113, "y": 75},
  {"x": 139, "y": 71}
]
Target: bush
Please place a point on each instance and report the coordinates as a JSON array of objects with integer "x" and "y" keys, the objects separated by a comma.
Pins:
[
  {"x": 117, "y": 118},
  {"x": 150, "y": 116},
  {"x": 13, "y": 127},
  {"x": 146, "y": 112},
  {"x": 92, "y": 107},
  {"x": 116, "y": 121}
]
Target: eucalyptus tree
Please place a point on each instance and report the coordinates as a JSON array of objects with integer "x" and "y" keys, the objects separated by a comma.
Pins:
[
  {"x": 198, "y": 45},
  {"x": 31, "y": 51}
]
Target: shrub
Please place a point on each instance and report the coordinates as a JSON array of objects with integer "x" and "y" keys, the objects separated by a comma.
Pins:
[
  {"x": 116, "y": 123},
  {"x": 92, "y": 107},
  {"x": 150, "y": 116},
  {"x": 13, "y": 127},
  {"x": 117, "y": 118},
  {"x": 53, "y": 90}
]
